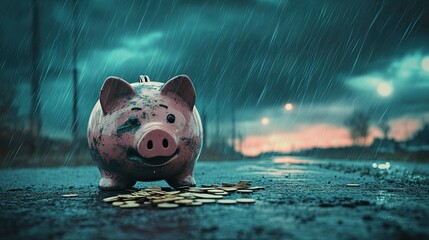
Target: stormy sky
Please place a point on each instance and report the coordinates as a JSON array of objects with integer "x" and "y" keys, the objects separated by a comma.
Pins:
[{"x": 327, "y": 58}]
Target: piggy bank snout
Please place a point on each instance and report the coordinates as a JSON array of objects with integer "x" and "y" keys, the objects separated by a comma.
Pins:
[{"x": 157, "y": 142}]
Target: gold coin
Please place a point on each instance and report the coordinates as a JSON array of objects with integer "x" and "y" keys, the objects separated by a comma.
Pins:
[
  {"x": 167, "y": 205},
  {"x": 116, "y": 204},
  {"x": 226, "y": 201},
  {"x": 353, "y": 185},
  {"x": 256, "y": 188},
  {"x": 221, "y": 193},
  {"x": 172, "y": 193},
  {"x": 186, "y": 195},
  {"x": 204, "y": 200},
  {"x": 111, "y": 199},
  {"x": 70, "y": 195},
  {"x": 215, "y": 191},
  {"x": 229, "y": 189},
  {"x": 244, "y": 191},
  {"x": 245, "y": 200},
  {"x": 167, "y": 200},
  {"x": 184, "y": 201},
  {"x": 208, "y": 196},
  {"x": 131, "y": 205}
]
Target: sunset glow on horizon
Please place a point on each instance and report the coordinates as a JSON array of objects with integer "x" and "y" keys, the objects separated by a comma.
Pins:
[{"x": 323, "y": 136}]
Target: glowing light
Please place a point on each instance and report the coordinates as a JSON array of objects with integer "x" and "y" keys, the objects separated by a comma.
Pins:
[
  {"x": 288, "y": 106},
  {"x": 374, "y": 165},
  {"x": 385, "y": 89},
  {"x": 384, "y": 166},
  {"x": 265, "y": 121},
  {"x": 425, "y": 64}
]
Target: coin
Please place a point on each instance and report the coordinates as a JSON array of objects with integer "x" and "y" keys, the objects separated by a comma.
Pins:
[
  {"x": 244, "y": 191},
  {"x": 229, "y": 189},
  {"x": 221, "y": 193},
  {"x": 172, "y": 193},
  {"x": 111, "y": 199},
  {"x": 256, "y": 188},
  {"x": 245, "y": 200},
  {"x": 204, "y": 200},
  {"x": 206, "y": 195},
  {"x": 196, "y": 204},
  {"x": 131, "y": 205},
  {"x": 70, "y": 195},
  {"x": 116, "y": 204},
  {"x": 167, "y": 205},
  {"x": 215, "y": 191},
  {"x": 184, "y": 202},
  {"x": 226, "y": 201},
  {"x": 353, "y": 185}
]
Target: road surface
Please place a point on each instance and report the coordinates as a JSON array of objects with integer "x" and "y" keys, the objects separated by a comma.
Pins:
[{"x": 303, "y": 199}]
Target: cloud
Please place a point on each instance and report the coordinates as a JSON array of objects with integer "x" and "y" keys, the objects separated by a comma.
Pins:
[{"x": 249, "y": 55}]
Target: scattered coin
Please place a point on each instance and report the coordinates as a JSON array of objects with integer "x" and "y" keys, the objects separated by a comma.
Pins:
[
  {"x": 165, "y": 197},
  {"x": 130, "y": 205},
  {"x": 353, "y": 185},
  {"x": 206, "y": 195},
  {"x": 196, "y": 204},
  {"x": 204, "y": 200},
  {"x": 221, "y": 193},
  {"x": 70, "y": 195},
  {"x": 116, "y": 204},
  {"x": 245, "y": 200},
  {"x": 167, "y": 205},
  {"x": 184, "y": 202},
  {"x": 244, "y": 191},
  {"x": 226, "y": 201},
  {"x": 111, "y": 199},
  {"x": 256, "y": 188},
  {"x": 215, "y": 191}
]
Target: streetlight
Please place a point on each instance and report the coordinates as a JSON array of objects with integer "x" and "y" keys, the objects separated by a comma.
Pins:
[
  {"x": 385, "y": 89},
  {"x": 265, "y": 121},
  {"x": 425, "y": 64},
  {"x": 288, "y": 106}
]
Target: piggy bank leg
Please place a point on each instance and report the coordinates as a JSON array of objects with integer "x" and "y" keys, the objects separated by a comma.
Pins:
[
  {"x": 185, "y": 179},
  {"x": 114, "y": 181}
]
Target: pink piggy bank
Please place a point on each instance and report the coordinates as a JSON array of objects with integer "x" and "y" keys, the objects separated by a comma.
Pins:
[{"x": 145, "y": 131}]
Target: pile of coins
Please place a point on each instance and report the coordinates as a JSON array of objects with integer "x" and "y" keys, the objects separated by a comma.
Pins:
[{"x": 184, "y": 196}]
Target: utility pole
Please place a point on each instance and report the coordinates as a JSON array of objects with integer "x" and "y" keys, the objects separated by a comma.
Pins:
[
  {"x": 233, "y": 132},
  {"x": 35, "y": 123},
  {"x": 75, "y": 80}
]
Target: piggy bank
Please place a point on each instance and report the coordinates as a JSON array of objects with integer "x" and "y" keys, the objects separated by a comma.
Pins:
[{"x": 145, "y": 131}]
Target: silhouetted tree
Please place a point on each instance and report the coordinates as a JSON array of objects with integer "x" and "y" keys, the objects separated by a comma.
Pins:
[
  {"x": 8, "y": 112},
  {"x": 358, "y": 124},
  {"x": 385, "y": 128}
]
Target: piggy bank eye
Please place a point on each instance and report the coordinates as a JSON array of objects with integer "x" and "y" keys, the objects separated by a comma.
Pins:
[
  {"x": 133, "y": 120},
  {"x": 171, "y": 118}
]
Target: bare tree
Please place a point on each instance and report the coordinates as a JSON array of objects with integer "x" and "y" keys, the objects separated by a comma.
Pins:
[
  {"x": 358, "y": 124},
  {"x": 385, "y": 128}
]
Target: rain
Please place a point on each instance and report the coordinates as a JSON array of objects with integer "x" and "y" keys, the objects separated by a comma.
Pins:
[{"x": 341, "y": 81}]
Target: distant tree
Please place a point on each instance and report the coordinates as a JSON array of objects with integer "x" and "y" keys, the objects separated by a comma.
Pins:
[
  {"x": 385, "y": 128},
  {"x": 8, "y": 112},
  {"x": 358, "y": 124}
]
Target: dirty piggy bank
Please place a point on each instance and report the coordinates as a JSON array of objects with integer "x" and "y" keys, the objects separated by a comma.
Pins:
[{"x": 145, "y": 131}]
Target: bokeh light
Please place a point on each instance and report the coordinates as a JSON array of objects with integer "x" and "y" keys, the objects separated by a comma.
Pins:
[{"x": 385, "y": 89}]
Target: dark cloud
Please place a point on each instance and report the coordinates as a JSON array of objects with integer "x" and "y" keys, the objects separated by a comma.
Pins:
[{"x": 251, "y": 54}]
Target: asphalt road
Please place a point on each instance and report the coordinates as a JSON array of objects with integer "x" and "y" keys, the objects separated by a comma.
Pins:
[{"x": 302, "y": 200}]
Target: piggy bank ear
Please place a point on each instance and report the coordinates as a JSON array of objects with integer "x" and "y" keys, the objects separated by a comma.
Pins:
[
  {"x": 182, "y": 87},
  {"x": 113, "y": 90}
]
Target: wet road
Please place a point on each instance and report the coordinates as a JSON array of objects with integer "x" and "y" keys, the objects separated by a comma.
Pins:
[{"x": 302, "y": 200}]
